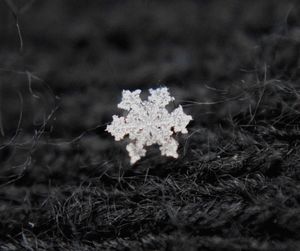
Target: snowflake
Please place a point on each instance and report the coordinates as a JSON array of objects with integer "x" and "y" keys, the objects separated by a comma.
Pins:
[{"x": 148, "y": 122}]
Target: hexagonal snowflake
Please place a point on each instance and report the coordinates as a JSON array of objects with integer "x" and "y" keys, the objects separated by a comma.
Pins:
[{"x": 148, "y": 122}]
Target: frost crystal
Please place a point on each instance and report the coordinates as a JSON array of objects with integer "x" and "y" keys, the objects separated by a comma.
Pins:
[{"x": 148, "y": 122}]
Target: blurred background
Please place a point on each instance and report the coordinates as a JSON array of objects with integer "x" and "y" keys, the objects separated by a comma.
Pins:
[
  {"x": 88, "y": 52},
  {"x": 64, "y": 64}
]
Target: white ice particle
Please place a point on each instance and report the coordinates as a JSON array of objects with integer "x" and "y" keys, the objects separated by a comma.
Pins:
[{"x": 148, "y": 122}]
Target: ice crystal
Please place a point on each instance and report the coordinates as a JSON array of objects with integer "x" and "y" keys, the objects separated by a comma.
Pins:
[{"x": 148, "y": 122}]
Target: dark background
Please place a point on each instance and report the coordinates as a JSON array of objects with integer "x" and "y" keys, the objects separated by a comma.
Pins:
[{"x": 65, "y": 184}]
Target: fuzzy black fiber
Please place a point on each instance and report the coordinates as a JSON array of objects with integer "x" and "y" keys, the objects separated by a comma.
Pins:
[{"x": 65, "y": 184}]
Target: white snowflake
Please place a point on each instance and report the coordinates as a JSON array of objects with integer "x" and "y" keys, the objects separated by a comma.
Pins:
[{"x": 148, "y": 122}]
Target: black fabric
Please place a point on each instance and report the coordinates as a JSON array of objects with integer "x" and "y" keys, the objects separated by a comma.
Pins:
[{"x": 65, "y": 184}]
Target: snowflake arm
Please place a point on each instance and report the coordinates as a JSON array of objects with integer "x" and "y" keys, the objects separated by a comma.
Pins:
[
  {"x": 169, "y": 148},
  {"x": 160, "y": 96},
  {"x": 135, "y": 151},
  {"x": 148, "y": 122},
  {"x": 117, "y": 128},
  {"x": 180, "y": 120},
  {"x": 130, "y": 100}
]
